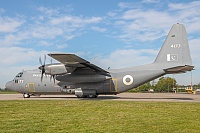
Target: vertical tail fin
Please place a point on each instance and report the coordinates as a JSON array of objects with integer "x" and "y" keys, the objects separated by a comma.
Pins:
[{"x": 175, "y": 50}]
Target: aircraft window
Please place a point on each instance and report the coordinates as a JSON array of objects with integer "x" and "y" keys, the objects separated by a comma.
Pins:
[
  {"x": 173, "y": 35},
  {"x": 19, "y": 74}
]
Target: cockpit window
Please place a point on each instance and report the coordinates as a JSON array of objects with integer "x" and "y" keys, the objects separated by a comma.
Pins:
[{"x": 19, "y": 74}]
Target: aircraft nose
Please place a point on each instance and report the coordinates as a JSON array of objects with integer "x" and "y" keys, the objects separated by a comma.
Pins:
[{"x": 8, "y": 85}]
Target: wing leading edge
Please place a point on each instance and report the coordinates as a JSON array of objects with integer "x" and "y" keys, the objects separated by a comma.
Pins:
[{"x": 79, "y": 64}]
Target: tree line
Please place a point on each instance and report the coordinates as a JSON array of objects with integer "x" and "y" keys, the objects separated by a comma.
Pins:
[{"x": 164, "y": 84}]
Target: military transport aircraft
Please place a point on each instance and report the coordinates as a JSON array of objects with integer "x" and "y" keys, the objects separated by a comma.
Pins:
[{"x": 75, "y": 75}]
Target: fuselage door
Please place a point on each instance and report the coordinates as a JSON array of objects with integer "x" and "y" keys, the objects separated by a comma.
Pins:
[
  {"x": 113, "y": 85},
  {"x": 31, "y": 87}
]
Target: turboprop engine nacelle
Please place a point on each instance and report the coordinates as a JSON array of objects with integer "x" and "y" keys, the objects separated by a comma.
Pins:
[
  {"x": 55, "y": 69},
  {"x": 73, "y": 78}
]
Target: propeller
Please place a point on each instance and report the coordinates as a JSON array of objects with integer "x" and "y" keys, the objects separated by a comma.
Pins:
[
  {"x": 52, "y": 75},
  {"x": 54, "y": 78},
  {"x": 42, "y": 67}
]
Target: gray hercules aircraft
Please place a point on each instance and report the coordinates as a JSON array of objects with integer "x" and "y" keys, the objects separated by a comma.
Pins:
[{"x": 74, "y": 75}]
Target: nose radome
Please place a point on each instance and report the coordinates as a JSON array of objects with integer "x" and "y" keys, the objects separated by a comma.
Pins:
[{"x": 8, "y": 85}]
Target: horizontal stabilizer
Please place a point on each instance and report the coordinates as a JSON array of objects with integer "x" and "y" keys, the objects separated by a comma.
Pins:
[{"x": 179, "y": 69}]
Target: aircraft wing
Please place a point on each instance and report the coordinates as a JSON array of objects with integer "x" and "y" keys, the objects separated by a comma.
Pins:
[{"x": 79, "y": 64}]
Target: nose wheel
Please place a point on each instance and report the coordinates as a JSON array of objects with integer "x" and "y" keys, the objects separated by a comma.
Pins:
[{"x": 26, "y": 95}]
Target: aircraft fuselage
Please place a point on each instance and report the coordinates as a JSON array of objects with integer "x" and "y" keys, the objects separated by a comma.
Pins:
[{"x": 29, "y": 82}]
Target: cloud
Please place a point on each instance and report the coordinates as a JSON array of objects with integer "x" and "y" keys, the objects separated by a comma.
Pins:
[
  {"x": 8, "y": 24},
  {"x": 194, "y": 49},
  {"x": 150, "y": 1},
  {"x": 142, "y": 25},
  {"x": 45, "y": 27},
  {"x": 18, "y": 55},
  {"x": 74, "y": 20},
  {"x": 44, "y": 43},
  {"x": 2, "y": 10},
  {"x": 43, "y": 31},
  {"x": 124, "y": 5},
  {"x": 126, "y": 58},
  {"x": 61, "y": 46},
  {"x": 48, "y": 11},
  {"x": 187, "y": 13},
  {"x": 111, "y": 14},
  {"x": 146, "y": 24},
  {"x": 9, "y": 39},
  {"x": 99, "y": 29},
  {"x": 184, "y": 6}
]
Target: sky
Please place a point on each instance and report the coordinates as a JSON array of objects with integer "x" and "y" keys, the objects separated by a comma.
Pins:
[{"x": 114, "y": 33}]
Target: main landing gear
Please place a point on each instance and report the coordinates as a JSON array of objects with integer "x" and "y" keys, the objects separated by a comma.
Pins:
[
  {"x": 87, "y": 96},
  {"x": 26, "y": 95}
]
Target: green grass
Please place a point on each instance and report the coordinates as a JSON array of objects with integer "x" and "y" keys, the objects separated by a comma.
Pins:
[{"x": 98, "y": 116}]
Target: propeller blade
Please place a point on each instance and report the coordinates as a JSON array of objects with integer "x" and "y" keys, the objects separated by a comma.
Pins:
[
  {"x": 44, "y": 59},
  {"x": 40, "y": 60},
  {"x": 54, "y": 78},
  {"x": 51, "y": 77},
  {"x": 41, "y": 77},
  {"x": 43, "y": 71},
  {"x": 42, "y": 67}
]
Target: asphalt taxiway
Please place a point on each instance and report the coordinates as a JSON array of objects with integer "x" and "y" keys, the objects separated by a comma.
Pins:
[{"x": 162, "y": 97}]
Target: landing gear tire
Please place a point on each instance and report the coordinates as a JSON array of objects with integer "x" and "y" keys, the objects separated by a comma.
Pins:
[
  {"x": 81, "y": 96},
  {"x": 92, "y": 96},
  {"x": 25, "y": 95},
  {"x": 87, "y": 96}
]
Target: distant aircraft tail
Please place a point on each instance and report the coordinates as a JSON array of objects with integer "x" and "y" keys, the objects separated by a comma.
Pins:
[{"x": 174, "y": 56}]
